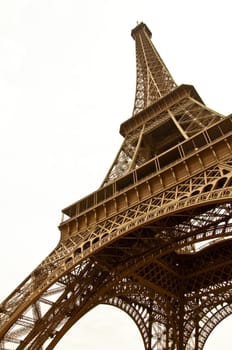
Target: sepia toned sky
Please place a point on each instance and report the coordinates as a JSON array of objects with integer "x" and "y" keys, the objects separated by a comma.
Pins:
[{"x": 67, "y": 82}]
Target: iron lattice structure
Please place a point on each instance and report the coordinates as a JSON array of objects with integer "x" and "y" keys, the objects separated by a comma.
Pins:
[{"x": 154, "y": 240}]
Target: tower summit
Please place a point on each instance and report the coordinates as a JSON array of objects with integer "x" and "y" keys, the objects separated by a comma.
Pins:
[
  {"x": 153, "y": 78},
  {"x": 154, "y": 240}
]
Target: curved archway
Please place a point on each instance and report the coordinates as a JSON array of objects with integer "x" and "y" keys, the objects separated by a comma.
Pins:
[
  {"x": 102, "y": 328},
  {"x": 220, "y": 336}
]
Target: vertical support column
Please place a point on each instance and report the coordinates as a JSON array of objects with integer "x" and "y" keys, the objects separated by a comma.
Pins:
[
  {"x": 180, "y": 332},
  {"x": 196, "y": 334},
  {"x": 196, "y": 327},
  {"x": 150, "y": 322},
  {"x": 160, "y": 328}
]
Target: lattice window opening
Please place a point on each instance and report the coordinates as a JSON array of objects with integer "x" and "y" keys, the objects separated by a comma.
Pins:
[
  {"x": 120, "y": 167},
  {"x": 15, "y": 336},
  {"x": 202, "y": 242},
  {"x": 30, "y": 316},
  {"x": 22, "y": 328},
  {"x": 129, "y": 148},
  {"x": 8, "y": 345},
  {"x": 213, "y": 220},
  {"x": 161, "y": 338},
  {"x": 212, "y": 215},
  {"x": 140, "y": 93},
  {"x": 210, "y": 298},
  {"x": 20, "y": 294}
]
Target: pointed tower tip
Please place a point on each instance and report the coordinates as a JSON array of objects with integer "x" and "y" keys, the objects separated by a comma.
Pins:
[{"x": 138, "y": 28}]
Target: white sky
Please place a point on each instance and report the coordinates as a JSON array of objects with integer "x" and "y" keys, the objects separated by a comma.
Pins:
[{"x": 67, "y": 81}]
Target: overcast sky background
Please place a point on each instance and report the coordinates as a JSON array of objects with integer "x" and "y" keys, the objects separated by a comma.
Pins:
[{"x": 67, "y": 82}]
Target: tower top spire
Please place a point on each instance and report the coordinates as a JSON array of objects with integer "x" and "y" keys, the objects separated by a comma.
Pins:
[
  {"x": 140, "y": 26},
  {"x": 153, "y": 80}
]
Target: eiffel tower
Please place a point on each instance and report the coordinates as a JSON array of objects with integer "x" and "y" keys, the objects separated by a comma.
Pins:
[{"x": 154, "y": 240}]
